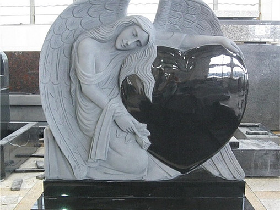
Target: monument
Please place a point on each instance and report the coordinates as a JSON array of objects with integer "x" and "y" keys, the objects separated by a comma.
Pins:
[
  {"x": 5, "y": 109},
  {"x": 18, "y": 140},
  {"x": 137, "y": 110}
]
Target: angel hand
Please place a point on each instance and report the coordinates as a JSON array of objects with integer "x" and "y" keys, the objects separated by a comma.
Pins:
[
  {"x": 125, "y": 123},
  {"x": 231, "y": 46}
]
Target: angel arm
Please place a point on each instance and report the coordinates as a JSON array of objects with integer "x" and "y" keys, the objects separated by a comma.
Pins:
[
  {"x": 185, "y": 42},
  {"x": 86, "y": 58}
]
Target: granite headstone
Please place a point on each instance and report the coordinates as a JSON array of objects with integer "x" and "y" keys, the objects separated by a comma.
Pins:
[{"x": 95, "y": 134}]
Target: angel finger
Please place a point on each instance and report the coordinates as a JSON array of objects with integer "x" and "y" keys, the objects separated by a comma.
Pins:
[{"x": 129, "y": 130}]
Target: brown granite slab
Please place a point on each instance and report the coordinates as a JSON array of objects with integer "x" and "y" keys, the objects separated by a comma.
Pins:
[{"x": 24, "y": 71}]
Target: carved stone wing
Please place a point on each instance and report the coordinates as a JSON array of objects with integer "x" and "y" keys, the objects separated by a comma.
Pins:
[
  {"x": 191, "y": 17},
  {"x": 54, "y": 73}
]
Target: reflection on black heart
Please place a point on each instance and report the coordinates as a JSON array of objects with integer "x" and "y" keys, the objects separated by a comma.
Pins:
[{"x": 199, "y": 99}]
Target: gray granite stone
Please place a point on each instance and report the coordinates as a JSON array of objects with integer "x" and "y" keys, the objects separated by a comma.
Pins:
[
  {"x": 255, "y": 131},
  {"x": 40, "y": 177},
  {"x": 258, "y": 157},
  {"x": 17, "y": 147},
  {"x": 16, "y": 185},
  {"x": 26, "y": 108},
  {"x": 4, "y": 95},
  {"x": 263, "y": 66},
  {"x": 251, "y": 30},
  {"x": 40, "y": 164}
]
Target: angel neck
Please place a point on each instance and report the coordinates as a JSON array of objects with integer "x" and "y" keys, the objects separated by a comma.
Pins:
[{"x": 108, "y": 47}]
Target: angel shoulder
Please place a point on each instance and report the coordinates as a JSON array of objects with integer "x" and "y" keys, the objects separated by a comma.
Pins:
[
  {"x": 87, "y": 52},
  {"x": 87, "y": 46}
]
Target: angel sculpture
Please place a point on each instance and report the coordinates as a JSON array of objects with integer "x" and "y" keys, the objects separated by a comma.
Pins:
[{"x": 90, "y": 49}]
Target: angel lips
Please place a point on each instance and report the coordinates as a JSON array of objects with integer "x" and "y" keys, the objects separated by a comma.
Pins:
[{"x": 199, "y": 99}]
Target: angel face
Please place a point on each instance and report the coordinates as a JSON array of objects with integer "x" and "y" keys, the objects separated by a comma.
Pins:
[{"x": 131, "y": 37}]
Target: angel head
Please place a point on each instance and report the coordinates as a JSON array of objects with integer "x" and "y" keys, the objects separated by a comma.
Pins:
[
  {"x": 134, "y": 36},
  {"x": 139, "y": 37},
  {"x": 130, "y": 32}
]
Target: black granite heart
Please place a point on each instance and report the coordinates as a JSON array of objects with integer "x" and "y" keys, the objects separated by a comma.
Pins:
[{"x": 199, "y": 99}]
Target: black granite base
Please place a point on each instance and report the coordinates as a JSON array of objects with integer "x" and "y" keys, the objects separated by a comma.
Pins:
[{"x": 195, "y": 193}]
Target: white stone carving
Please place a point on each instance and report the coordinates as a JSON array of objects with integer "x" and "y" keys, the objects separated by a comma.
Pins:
[{"x": 89, "y": 50}]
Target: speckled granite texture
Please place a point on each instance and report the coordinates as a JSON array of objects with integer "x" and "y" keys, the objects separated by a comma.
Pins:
[
  {"x": 251, "y": 30},
  {"x": 24, "y": 72},
  {"x": 263, "y": 66}
]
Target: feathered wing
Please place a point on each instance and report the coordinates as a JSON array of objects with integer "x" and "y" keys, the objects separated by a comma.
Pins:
[
  {"x": 55, "y": 61},
  {"x": 225, "y": 165},
  {"x": 194, "y": 17}
]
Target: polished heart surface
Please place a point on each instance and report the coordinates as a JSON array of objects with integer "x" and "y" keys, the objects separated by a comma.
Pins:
[{"x": 199, "y": 98}]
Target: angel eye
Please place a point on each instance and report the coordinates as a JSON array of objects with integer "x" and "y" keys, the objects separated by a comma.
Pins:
[
  {"x": 134, "y": 33},
  {"x": 139, "y": 44}
]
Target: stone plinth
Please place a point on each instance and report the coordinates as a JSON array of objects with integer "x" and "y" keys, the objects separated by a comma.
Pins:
[
  {"x": 16, "y": 148},
  {"x": 255, "y": 131},
  {"x": 26, "y": 108},
  {"x": 258, "y": 157},
  {"x": 198, "y": 191}
]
